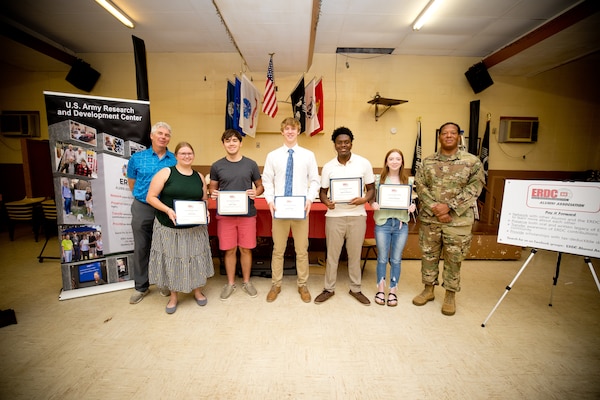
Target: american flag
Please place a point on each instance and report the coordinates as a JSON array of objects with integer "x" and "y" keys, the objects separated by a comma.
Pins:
[{"x": 270, "y": 99}]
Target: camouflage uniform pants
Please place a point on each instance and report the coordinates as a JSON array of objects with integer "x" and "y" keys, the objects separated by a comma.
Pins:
[{"x": 450, "y": 242}]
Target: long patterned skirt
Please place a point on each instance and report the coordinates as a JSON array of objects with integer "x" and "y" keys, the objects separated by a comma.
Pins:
[{"x": 180, "y": 259}]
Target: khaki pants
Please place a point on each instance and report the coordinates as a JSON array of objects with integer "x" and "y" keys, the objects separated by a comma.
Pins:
[
  {"x": 352, "y": 230},
  {"x": 281, "y": 231}
]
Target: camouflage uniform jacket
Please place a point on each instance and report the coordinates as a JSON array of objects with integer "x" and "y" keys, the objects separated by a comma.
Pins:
[{"x": 455, "y": 180}]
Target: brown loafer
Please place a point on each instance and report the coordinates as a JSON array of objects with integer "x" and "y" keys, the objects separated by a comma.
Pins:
[
  {"x": 272, "y": 295},
  {"x": 324, "y": 296},
  {"x": 361, "y": 298},
  {"x": 304, "y": 294}
]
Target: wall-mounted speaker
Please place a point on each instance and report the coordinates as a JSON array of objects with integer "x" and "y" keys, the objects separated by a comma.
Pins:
[
  {"x": 82, "y": 76},
  {"x": 478, "y": 77}
]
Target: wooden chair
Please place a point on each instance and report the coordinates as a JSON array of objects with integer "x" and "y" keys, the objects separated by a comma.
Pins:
[
  {"x": 50, "y": 225},
  {"x": 368, "y": 246},
  {"x": 23, "y": 211}
]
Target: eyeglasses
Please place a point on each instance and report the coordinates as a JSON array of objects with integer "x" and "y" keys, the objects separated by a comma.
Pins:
[{"x": 185, "y": 154}]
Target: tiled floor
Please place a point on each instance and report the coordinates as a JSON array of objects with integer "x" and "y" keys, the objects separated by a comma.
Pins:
[{"x": 101, "y": 347}]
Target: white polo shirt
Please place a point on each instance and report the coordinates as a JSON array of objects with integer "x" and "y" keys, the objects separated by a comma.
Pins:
[{"x": 356, "y": 167}]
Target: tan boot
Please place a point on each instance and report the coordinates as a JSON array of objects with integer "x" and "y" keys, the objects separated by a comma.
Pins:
[
  {"x": 449, "y": 308},
  {"x": 425, "y": 296}
]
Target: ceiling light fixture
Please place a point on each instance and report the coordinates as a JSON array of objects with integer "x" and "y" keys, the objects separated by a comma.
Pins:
[
  {"x": 425, "y": 14},
  {"x": 364, "y": 50},
  {"x": 118, "y": 14}
]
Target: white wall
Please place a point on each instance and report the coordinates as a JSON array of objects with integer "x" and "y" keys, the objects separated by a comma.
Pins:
[{"x": 435, "y": 87}]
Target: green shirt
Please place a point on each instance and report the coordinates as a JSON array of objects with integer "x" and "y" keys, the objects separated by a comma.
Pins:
[
  {"x": 381, "y": 216},
  {"x": 179, "y": 187},
  {"x": 67, "y": 244}
]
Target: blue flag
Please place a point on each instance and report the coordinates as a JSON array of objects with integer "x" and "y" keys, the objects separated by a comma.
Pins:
[
  {"x": 236, "y": 107},
  {"x": 230, "y": 106}
]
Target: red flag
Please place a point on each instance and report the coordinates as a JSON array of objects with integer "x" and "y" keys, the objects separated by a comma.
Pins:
[
  {"x": 319, "y": 106},
  {"x": 270, "y": 100}
]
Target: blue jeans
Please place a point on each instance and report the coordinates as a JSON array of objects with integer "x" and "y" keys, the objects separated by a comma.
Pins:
[
  {"x": 67, "y": 206},
  {"x": 390, "y": 238}
]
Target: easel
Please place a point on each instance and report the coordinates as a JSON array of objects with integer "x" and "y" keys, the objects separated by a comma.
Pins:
[{"x": 587, "y": 260}]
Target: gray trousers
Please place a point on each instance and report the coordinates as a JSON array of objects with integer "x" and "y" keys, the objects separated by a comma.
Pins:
[{"x": 142, "y": 219}]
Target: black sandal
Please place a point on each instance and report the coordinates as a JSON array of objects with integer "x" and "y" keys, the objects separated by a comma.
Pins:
[
  {"x": 392, "y": 302},
  {"x": 380, "y": 298}
]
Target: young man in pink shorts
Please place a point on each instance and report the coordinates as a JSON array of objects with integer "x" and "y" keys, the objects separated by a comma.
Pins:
[{"x": 236, "y": 173}]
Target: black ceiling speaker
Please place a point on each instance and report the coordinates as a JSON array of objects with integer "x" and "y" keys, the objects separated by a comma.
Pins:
[
  {"x": 82, "y": 76},
  {"x": 478, "y": 77}
]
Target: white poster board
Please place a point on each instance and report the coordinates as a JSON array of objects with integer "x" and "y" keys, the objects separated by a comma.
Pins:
[
  {"x": 113, "y": 203},
  {"x": 552, "y": 215}
]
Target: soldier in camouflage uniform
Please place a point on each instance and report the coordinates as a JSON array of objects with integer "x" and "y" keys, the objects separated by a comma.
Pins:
[{"x": 448, "y": 184}]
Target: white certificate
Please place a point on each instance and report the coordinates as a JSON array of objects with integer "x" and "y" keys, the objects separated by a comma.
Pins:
[
  {"x": 190, "y": 212},
  {"x": 342, "y": 190},
  {"x": 232, "y": 203},
  {"x": 290, "y": 207},
  {"x": 394, "y": 196}
]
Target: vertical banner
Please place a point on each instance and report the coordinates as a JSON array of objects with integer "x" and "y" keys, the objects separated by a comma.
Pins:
[
  {"x": 141, "y": 69},
  {"x": 91, "y": 139},
  {"x": 473, "y": 145}
]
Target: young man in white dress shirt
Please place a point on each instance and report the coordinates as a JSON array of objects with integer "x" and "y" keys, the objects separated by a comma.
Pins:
[{"x": 305, "y": 182}]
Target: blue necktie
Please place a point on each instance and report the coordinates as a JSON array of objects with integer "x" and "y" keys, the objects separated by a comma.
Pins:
[{"x": 289, "y": 174}]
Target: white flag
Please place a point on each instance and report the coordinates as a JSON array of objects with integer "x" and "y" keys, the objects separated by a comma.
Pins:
[{"x": 249, "y": 107}]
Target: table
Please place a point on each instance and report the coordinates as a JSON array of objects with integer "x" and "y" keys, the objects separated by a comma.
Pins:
[{"x": 316, "y": 219}]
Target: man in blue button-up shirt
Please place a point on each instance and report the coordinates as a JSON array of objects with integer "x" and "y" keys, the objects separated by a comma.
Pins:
[{"x": 141, "y": 168}]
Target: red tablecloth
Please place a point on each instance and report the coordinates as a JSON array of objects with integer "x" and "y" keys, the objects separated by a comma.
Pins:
[{"x": 316, "y": 219}]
